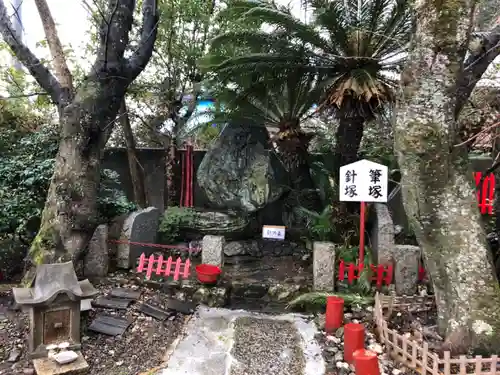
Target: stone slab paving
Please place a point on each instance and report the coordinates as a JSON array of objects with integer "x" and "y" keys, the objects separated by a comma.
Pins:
[{"x": 237, "y": 342}]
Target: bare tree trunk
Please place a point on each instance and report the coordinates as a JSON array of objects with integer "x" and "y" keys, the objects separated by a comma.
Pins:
[
  {"x": 136, "y": 172},
  {"x": 438, "y": 190}
]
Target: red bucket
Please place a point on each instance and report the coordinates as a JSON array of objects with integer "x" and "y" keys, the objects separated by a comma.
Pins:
[{"x": 208, "y": 273}]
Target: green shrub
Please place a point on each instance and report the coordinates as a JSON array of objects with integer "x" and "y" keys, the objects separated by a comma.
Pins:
[{"x": 173, "y": 220}]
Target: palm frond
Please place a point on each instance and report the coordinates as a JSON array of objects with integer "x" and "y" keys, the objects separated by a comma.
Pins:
[
  {"x": 307, "y": 34},
  {"x": 250, "y": 38}
]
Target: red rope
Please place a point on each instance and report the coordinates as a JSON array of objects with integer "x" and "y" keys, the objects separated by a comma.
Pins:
[{"x": 157, "y": 245}]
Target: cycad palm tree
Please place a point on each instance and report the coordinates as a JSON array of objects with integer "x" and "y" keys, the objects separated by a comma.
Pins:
[
  {"x": 283, "y": 102},
  {"x": 353, "y": 44}
]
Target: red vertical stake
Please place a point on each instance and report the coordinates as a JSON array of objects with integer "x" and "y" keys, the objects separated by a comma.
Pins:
[
  {"x": 187, "y": 265},
  {"x": 341, "y": 270},
  {"x": 188, "y": 177},
  {"x": 183, "y": 166},
  {"x": 484, "y": 196},
  {"x": 142, "y": 261},
  {"x": 351, "y": 272},
  {"x": 491, "y": 192},
  {"x": 362, "y": 233},
  {"x": 151, "y": 262},
  {"x": 191, "y": 176}
]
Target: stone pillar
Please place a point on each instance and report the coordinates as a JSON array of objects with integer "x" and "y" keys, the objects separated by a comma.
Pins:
[
  {"x": 382, "y": 234},
  {"x": 406, "y": 261},
  {"x": 96, "y": 261},
  {"x": 213, "y": 250},
  {"x": 324, "y": 266},
  {"x": 140, "y": 227}
]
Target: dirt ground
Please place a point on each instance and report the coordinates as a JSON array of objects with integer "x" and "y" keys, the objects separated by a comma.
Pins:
[{"x": 138, "y": 351}]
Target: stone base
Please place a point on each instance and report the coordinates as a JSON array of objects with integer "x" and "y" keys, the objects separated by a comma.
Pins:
[{"x": 47, "y": 366}]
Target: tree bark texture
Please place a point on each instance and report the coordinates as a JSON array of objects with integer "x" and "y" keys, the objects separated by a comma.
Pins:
[
  {"x": 70, "y": 214},
  {"x": 347, "y": 141},
  {"x": 135, "y": 169},
  {"x": 437, "y": 184},
  {"x": 86, "y": 121}
]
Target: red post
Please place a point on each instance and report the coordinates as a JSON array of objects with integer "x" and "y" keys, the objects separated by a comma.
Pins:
[
  {"x": 142, "y": 263},
  {"x": 183, "y": 177},
  {"x": 151, "y": 262},
  {"x": 177, "y": 269},
  {"x": 485, "y": 193},
  {"x": 366, "y": 362},
  {"x": 362, "y": 233},
  {"x": 334, "y": 313},
  {"x": 187, "y": 264},
  {"x": 354, "y": 339}
]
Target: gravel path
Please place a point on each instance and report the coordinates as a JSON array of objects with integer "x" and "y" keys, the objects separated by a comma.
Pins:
[{"x": 264, "y": 346}]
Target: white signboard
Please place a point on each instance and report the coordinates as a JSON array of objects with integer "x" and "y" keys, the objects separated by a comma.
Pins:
[
  {"x": 363, "y": 181},
  {"x": 274, "y": 232}
]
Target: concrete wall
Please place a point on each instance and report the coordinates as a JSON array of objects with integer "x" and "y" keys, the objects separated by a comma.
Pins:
[{"x": 153, "y": 162}]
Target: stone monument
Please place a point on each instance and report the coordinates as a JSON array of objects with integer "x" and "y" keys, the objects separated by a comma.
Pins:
[{"x": 53, "y": 305}]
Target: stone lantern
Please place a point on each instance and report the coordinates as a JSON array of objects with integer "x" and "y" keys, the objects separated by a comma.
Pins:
[{"x": 53, "y": 305}]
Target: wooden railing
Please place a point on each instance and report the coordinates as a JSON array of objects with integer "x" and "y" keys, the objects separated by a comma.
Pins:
[{"x": 418, "y": 356}]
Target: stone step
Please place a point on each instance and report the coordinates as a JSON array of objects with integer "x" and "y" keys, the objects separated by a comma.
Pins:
[{"x": 226, "y": 290}]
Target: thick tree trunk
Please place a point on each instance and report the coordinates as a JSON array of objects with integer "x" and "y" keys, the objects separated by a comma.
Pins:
[
  {"x": 437, "y": 186},
  {"x": 347, "y": 141},
  {"x": 136, "y": 172},
  {"x": 87, "y": 118},
  {"x": 70, "y": 215}
]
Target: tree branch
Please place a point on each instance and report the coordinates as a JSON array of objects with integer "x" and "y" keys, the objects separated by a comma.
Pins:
[
  {"x": 139, "y": 59},
  {"x": 113, "y": 35},
  {"x": 475, "y": 66},
  {"x": 61, "y": 69},
  {"x": 41, "y": 74}
]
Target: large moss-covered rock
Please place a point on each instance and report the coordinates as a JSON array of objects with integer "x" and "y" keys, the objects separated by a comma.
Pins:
[{"x": 240, "y": 172}]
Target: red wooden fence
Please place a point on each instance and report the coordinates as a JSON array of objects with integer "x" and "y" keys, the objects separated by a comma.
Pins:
[
  {"x": 485, "y": 193},
  {"x": 163, "y": 267},
  {"x": 381, "y": 274}
]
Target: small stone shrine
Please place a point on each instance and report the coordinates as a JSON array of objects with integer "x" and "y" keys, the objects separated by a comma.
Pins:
[{"x": 53, "y": 305}]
